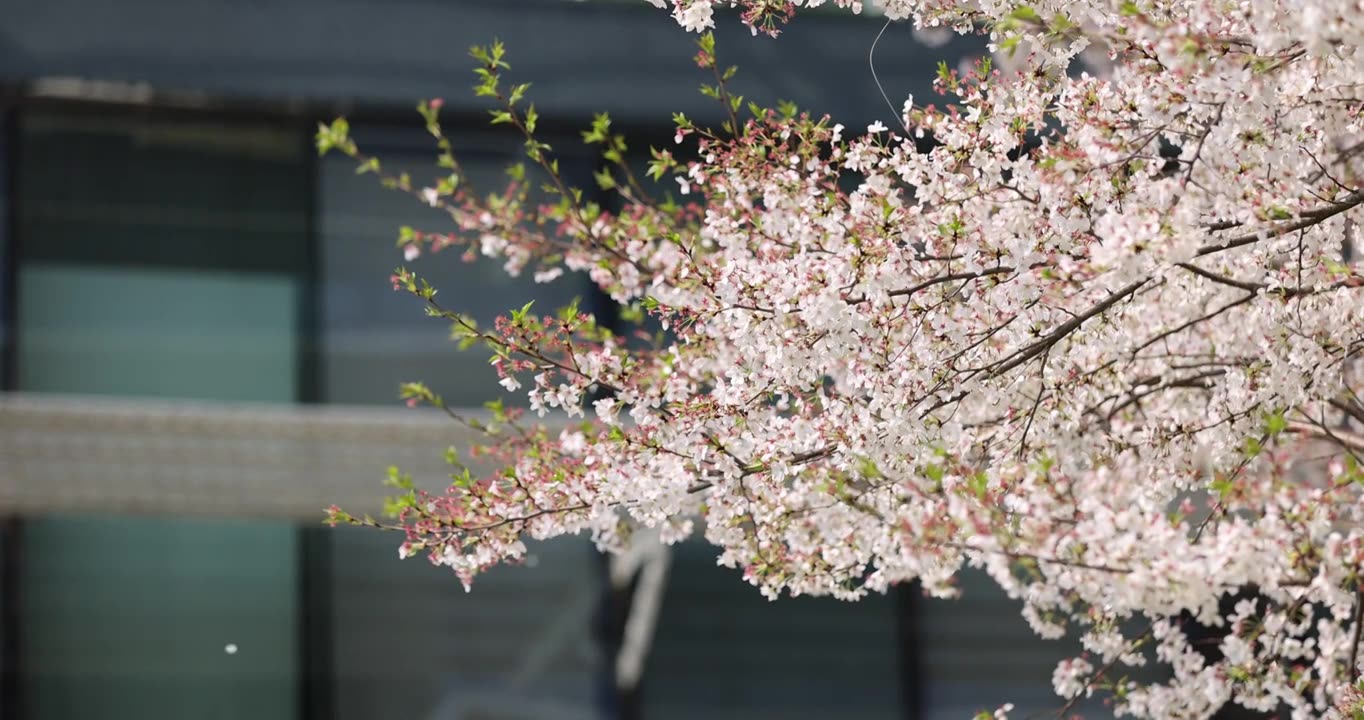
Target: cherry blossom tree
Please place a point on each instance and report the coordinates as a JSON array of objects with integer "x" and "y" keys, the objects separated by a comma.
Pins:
[{"x": 1097, "y": 336}]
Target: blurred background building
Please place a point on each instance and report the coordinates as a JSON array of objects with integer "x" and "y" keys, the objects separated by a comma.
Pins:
[{"x": 201, "y": 350}]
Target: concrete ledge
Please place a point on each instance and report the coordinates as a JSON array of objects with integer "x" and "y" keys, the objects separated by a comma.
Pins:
[{"x": 94, "y": 454}]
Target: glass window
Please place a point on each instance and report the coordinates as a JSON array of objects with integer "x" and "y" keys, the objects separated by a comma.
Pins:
[
  {"x": 518, "y": 647},
  {"x": 157, "y": 332},
  {"x": 160, "y": 258},
  {"x": 796, "y": 658},
  {"x": 142, "y": 619},
  {"x": 978, "y": 653},
  {"x": 9, "y": 622},
  {"x": 5, "y": 249}
]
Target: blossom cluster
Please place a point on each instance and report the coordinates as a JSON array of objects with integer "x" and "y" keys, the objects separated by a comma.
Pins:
[{"x": 1097, "y": 336}]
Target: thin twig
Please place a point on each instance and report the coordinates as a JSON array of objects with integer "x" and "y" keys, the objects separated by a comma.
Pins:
[
  {"x": 1305, "y": 220},
  {"x": 1354, "y": 641}
]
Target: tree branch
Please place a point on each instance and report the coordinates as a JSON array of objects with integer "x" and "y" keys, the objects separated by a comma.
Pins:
[
  {"x": 1055, "y": 336},
  {"x": 1346, "y": 439},
  {"x": 1305, "y": 220},
  {"x": 1354, "y": 640}
]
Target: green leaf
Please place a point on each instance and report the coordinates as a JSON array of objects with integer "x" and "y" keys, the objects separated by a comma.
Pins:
[
  {"x": 395, "y": 478},
  {"x": 569, "y": 313},
  {"x": 1222, "y": 487},
  {"x": 519, "y": 315},
  {"x": 335, "y": 136},
  {"x": 531, "y": 118},
  {"x": 370, "y": 165},
  {"x": 429, "y": 111},
  {"x": 498, "y": 52},
  {"x": 707, "y": 43},
  {"x": 979, "y": 484},
  {"x": 601, "y": 124},
  {"x": 1275, "y": 423},
  {"x": 632, "y": 313}
]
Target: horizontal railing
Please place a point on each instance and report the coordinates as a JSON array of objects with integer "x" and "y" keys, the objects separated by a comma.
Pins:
[{"x": 97, "y": 454}]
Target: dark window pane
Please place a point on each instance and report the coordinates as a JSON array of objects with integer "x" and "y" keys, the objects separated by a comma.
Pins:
[
  {"x": 150, "y": 193},
  {"x": 150, "y": 619},
  {"x": 135, "y": 331},
  {"x": 160, "y": 259},
  {"x": 9, "y": 619},
  {"x": 798, "y": 658},
  {"x": 6, "y": 251},
  {"x": 519, "y": 647},
  {"x": 978, "y": 653}
]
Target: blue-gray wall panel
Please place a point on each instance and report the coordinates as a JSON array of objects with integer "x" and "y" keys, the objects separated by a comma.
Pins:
[{"x": 628, "y": 57}]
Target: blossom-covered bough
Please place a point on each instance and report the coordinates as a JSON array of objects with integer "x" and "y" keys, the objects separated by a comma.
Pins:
[{"x": 1098, "y": 336}]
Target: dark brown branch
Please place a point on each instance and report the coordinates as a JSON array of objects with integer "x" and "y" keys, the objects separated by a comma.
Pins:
[
  {"x": 1253, "y": 287},
  {"x": 1012, "y": 555},
  {"x": 938, "y": 280},
  {"x": 1305, "y": 220},
  {"x": 1036, "y": 403},
  {"x": 906, "y": 292},
  {"x": 1142, "y": 390},
  {"x": 1221, "y": 279},
  {"x": 1353, "y": 409},
  {"x": 1344, "y": 438},
  {"x": 1066, "y": 328},
  {"x": 1354, "y": 640},
  {"x": 1181, "y": 328}
]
